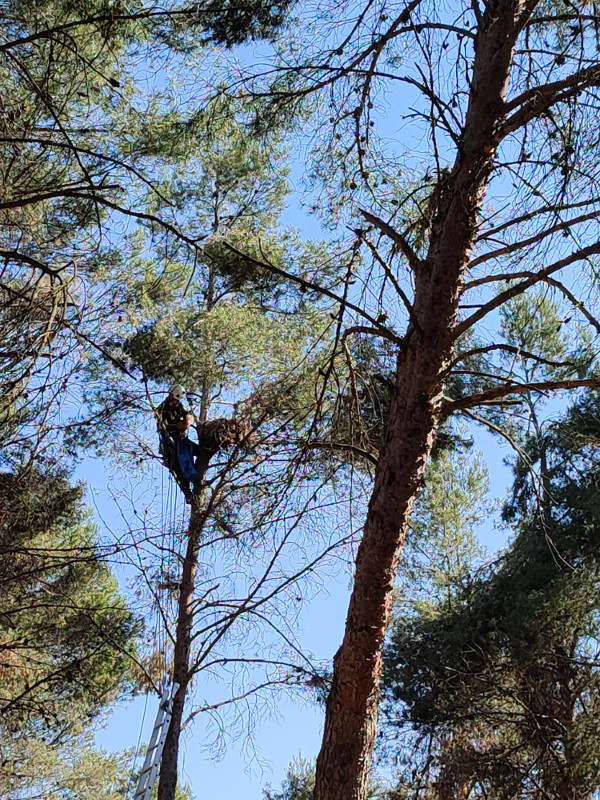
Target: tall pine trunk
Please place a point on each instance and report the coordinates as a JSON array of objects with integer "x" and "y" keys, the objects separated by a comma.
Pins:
[
  {"x": 167, "y": 784},
  {"x": 343, "y": 764}
]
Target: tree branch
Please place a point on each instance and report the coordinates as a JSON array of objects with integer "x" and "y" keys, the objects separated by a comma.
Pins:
[
  {"x": 538, "y": 237},
  {"x": 578, "y": 304},
  {"x": 15, "y": 255},
  {"x": 399, "y": 240},
  {"x": 509, "y": 348},
  {"x": 401, "y": 293},
  {"x": 550, "y": 208},
  {"x": 531, "y": 279},
  {"x": 491, "y": 396},
  {"x": 535, "y": 101},
  {"x": 188, "y": 11},
  {"x": 341, "y": 447},
  {"x": 385, "y": 333},
  {"x": 306, "y": 284}
]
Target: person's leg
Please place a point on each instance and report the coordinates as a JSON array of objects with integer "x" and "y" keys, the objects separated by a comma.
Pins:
[{"x": 168, "y": 450}]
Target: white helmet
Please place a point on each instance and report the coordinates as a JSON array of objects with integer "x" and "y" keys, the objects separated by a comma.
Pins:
[{"x": 177, "y": 391}]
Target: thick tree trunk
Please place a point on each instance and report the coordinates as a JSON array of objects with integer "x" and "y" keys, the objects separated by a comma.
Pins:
[
  {"x": 342, "y": 766},
  {"x": 181, "y": 657},
  {"x": 351, "y": 715}
]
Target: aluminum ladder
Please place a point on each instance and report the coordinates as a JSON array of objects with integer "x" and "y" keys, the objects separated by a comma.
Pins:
[{"x": 156, "y": 745}]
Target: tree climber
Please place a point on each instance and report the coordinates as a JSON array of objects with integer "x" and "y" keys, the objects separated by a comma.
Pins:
[
  {"x": 178, "y": 452},
  {"x": 189, "y": 461}
]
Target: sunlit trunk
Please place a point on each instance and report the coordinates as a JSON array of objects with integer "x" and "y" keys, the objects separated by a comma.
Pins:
[{"x": 351, "y": 717}]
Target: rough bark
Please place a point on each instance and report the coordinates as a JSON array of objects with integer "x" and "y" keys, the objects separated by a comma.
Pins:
[
  {"x": 181, "y": 657},
  {"x": 351, "y": 715}
]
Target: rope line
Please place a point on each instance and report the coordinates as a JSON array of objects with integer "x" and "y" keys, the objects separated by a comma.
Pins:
[{"x": 137, "y": 749}]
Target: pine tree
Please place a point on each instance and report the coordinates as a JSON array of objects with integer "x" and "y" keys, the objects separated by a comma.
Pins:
[
  {"x": 67, "y": 638},
  {"x": 75, "y": 170},
  {"x": 236, "y": 337},
  {"x": 503, "y": 684},
  {"x": 499, "y": 202}
]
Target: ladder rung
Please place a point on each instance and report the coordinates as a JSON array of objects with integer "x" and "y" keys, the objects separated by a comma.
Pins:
[{"x": 157, "y": 740}]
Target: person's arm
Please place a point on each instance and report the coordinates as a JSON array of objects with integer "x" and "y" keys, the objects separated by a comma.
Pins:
[
  {"x": 186, "y": 422},
  {"x": 159, "y": 412}
]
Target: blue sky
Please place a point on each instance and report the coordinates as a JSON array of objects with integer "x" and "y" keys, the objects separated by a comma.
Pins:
[{"x": 260, "y": 756}]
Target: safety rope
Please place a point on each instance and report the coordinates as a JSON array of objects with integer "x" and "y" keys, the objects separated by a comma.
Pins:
[{"x": 137, "y": 750}]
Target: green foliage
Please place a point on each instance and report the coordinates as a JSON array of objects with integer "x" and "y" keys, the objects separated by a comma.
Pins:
[
  {"x": 533, "y": 323},
  {"x": 231, "y": 23},
  {"x": 504, "y": 678},
  {"x": 222, "y": 346},
  {"x": 74, "y": 770},
  {"x": 76, "y": 150},
  {"x": 66, "y": 641},
  {"x": 227, "y": 327},
  {"x": 298, "y": 784},
  {"x": 441, "y": 550},
  {"x": 65, "y": 631}
]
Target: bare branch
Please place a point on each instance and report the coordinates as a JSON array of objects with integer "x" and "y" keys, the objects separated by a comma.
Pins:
[
  {"x": 315, "y": 444},
  {"x": 578, "y": 304},
  {"x": 385, "y": 334},
  {"x": 399, "y": 240},
  {"x": 306, "y": 284},
  {"x": 520, "y": 245},
  {"x": 535, "y": 101},
  {"x": 400, "y": 291},
  {"x": 508, "y": 348},
  {"x": 531, "y": 279},
  {"x": 495, "y": 395},
  {"x": 550, "y": 208}
]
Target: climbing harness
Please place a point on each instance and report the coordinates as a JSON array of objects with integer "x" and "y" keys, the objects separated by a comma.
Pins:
[{"x": 156, "y": 745}]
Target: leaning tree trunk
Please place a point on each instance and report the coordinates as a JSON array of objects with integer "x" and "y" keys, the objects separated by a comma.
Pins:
[{"x": 351, "y": 715}]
